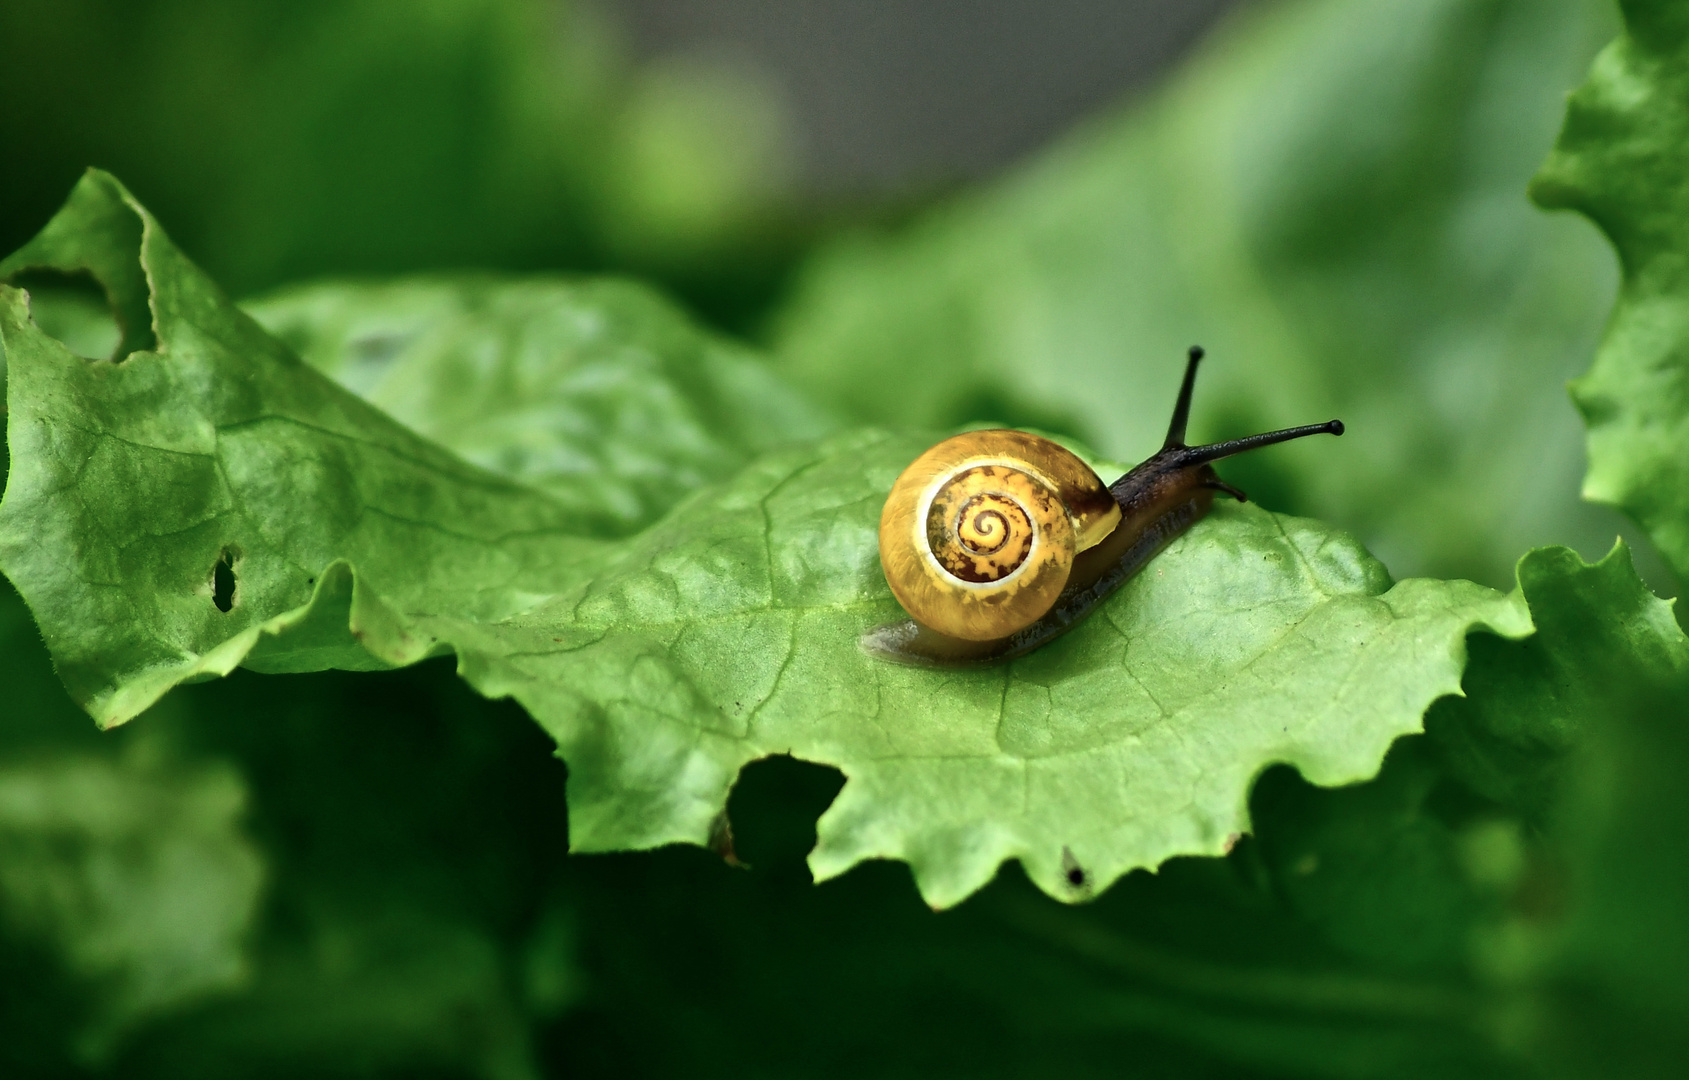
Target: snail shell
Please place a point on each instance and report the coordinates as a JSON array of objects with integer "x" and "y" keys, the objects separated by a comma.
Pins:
[{"x": 980, "y": 532}]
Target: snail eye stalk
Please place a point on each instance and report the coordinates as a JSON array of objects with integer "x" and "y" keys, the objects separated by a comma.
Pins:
[{"x": 1182, "y": 407}]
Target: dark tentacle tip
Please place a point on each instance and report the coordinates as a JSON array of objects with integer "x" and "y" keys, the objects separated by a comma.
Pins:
[
  {"x": 1197, "y": 352},
  {"x": 1335, "y": 427}
]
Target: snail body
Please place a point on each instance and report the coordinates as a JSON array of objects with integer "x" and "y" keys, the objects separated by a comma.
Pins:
[{"x": 998, "y": 541}]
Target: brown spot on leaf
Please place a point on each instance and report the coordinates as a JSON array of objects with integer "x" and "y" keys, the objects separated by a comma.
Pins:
[{"x": 1075, "y": 874}]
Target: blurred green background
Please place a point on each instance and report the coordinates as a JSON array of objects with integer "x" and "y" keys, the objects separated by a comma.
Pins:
[{"x": 928, "y": 214}]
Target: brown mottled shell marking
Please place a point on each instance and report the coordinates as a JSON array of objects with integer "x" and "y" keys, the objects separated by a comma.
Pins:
[
  {"x": 981, "y": 531},
  {"x": 996, "y": 542}
]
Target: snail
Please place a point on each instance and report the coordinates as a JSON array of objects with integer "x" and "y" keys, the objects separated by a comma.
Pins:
[{"x": 997, "y": 541}]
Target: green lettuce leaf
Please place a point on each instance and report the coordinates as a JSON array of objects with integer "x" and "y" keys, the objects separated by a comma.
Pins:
[
  {"x": 1618, "y": 160},
  {"x": 599, "y": 393},
  {"x": 1328, "y": 197},
  {"x": 214, "y": 501}
]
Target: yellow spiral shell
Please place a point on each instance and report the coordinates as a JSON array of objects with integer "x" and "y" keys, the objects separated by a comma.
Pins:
[{"x": 979, "y": 533}]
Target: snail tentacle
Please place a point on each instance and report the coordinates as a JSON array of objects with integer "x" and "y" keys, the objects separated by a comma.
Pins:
[{"x": 1221, "y": 485}]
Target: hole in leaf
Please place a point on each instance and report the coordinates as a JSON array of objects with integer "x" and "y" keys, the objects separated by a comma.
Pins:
[
  {"x": 111, "y": 252},
  {"x": 773, "y": 806},
  {"x": 74, "y": 309},
  {"x": 223, "y": 580}
]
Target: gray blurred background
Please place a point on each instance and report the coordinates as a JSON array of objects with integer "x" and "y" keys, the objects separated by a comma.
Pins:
[{"x": 890, "y": 95}]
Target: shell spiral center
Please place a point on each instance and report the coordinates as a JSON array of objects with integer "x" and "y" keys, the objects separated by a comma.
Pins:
[{"x": 980, "y": 525}]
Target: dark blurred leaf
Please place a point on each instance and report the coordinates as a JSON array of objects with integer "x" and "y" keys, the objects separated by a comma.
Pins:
[
  {"x": 1374, "y": 868},
  {"x": 412, "y": 829},
  {"x": 291, "y": 139},
  {"x": 136, "y": 873},
  {"x": 407, "y": 831},
  {"x": 1533, "y": 701},
  {"x": 1205, "y": 968},
  {"x": 1581, "y": 732},
  {"x": 1329, "y": 197},
  {"x": 1622, "y": 1005},
  {"x": 127, "y": 876}
]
